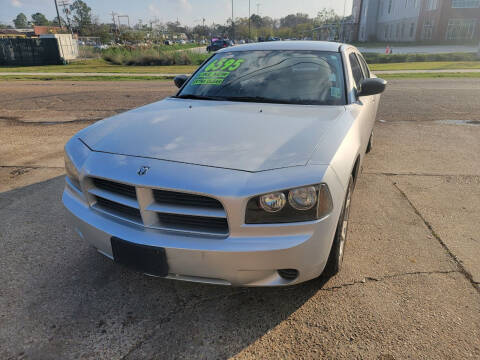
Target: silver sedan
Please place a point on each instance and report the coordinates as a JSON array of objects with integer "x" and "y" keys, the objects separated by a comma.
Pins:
[{"x": 244, "y": 177}]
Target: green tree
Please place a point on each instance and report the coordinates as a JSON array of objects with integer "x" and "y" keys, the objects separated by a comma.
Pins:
[
  {"x": 327, "y": 16},
  {"x": 256, "y": 20},
  {"x": 82, "y": 16},
  {"x": 103, "y": 31},
  {"x": 21, "y": 21},
  {"x": 294, "y": 20},
  {"x": 39, "y": 19}
]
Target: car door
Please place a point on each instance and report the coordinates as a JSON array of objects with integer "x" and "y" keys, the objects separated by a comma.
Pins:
[
  {"x": 363, "y": 105},
  {"x": 374, "y": 99}
]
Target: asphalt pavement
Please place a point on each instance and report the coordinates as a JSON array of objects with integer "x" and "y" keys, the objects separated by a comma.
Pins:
[{"x": 409, "y": 287}]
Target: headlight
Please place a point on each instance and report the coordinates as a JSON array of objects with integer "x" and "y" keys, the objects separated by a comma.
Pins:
[
  {"x": 72, "y": 172},
  {"x": 76, "y": 152},
  {"x": 303, "y": 198},
  {"x": 304, "y": 204},
  {"x": 273, "y": 202}
]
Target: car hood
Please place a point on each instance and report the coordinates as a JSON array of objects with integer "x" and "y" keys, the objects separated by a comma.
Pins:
[{"x": 241, "y": 136}]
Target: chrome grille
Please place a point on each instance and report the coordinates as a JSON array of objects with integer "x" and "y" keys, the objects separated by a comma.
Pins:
[
  {"x": 176, "y": 198},
  {"x": 118, "y": 209},
  {"x": 193, "y": 223},
  {"x": 118, "y": 188},
  {"x": 160, "y": 209}
]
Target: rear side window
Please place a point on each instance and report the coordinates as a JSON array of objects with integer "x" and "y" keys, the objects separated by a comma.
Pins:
[{"x": 356, "y": 70}]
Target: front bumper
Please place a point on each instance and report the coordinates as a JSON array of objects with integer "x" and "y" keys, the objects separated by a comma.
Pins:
[
  {"x": 239, "y": 261},
  {"x": 249, "y": 256}
]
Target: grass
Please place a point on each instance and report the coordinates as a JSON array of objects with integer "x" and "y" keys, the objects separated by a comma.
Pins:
[
  {"x": 376, "y": 58},
  {"x": 429, "y": 65},
  {"x": 383, "y": 44},
  {"x": 47, "y": 77},
  {"x": 429, "y": 75},
  {"x": 82, "y": 78},
  {"x": 101, "y": 66}
]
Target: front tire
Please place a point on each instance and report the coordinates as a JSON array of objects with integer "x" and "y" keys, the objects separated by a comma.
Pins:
[
  {"x": 335, "y": 259},
  {"x": 370, "y": 143}
]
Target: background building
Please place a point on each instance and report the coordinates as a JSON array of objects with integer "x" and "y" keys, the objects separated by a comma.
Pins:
[
  {"x": 418, "y": 20},
  {"x": 449, "y": 20},
  {"x": 367, "y": 19},
  {"x": 397, "y": 20}
]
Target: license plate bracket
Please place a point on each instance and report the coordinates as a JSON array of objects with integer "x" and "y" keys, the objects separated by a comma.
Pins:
[{"x": 147, "y": 259}]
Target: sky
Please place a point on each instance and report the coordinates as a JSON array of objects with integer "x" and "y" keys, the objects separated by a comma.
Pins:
[{"x": 188, "y": 12}]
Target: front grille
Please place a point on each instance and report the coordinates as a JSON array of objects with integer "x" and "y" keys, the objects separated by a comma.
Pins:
[
  {"x": 114, "y": 187},
  {"x": 170, "y": 210},
  {"x": 118, "y": 209},
  {"x": 194, "y": 223},
  {"x": 177, "y": 198}
]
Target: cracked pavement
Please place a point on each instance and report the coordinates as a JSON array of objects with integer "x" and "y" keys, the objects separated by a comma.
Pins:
[{"x": 409, "y": 287}]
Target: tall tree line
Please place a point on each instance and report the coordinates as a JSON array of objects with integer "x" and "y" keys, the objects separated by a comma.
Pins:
[{"x": 83, "y": 22}]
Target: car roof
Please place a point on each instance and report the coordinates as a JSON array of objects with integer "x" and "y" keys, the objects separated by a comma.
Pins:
[{"x": 287, "y": 45}]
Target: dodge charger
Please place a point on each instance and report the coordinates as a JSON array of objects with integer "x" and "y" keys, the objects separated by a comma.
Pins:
[{"x": 243, "y": 178}]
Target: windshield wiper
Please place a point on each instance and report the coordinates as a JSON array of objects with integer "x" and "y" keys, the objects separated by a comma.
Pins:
[
  {"x": 257, "y": 99},
  {"x": 199, "y": 97}
]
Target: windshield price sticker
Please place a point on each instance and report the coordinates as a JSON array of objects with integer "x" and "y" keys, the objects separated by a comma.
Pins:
[
  {"x": 207, "y": 81},
  {"x": 216, "y": 72},
  {"x": 211, "y": 74}
]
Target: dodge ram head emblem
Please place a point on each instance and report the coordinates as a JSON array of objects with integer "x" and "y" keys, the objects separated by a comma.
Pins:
[{"x": 143, "y": 170}]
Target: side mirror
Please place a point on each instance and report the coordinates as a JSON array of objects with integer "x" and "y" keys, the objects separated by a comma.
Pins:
[
  {"x": 180, "y": 80},
  {"x": 372, "y": 86}
]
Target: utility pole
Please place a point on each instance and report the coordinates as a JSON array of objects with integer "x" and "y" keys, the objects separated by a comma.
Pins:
[
  {"x": 233, "y": 25},
  {"x": 249, "y": 23},
  {"x": 58, "y": 14},
  {"x": 124, "y": 16},
  {"x": 115, "y": 29},
  {"x": 113, "y": 18},
  {"x": 258, "y": 9},
  {"x": 64, "y": 4}
]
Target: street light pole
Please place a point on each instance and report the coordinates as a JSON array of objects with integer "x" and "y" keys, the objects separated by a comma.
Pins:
[{"x": 343, "y": 21}]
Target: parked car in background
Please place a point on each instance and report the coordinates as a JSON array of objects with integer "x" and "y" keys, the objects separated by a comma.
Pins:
[
  {"x": 168, "y": 42},
  {"x": 244, "y": 177},
  {"x": 218, "y": 44}
]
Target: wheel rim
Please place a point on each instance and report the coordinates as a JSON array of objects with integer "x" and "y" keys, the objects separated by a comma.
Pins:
[{"x": 344, "y": 228}]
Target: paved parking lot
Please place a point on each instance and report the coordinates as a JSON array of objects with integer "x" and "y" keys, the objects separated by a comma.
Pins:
[{"x": 409, "y": 287}]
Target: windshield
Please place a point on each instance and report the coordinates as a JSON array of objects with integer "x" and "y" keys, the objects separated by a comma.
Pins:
[{"x": 293, "y": 77}]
